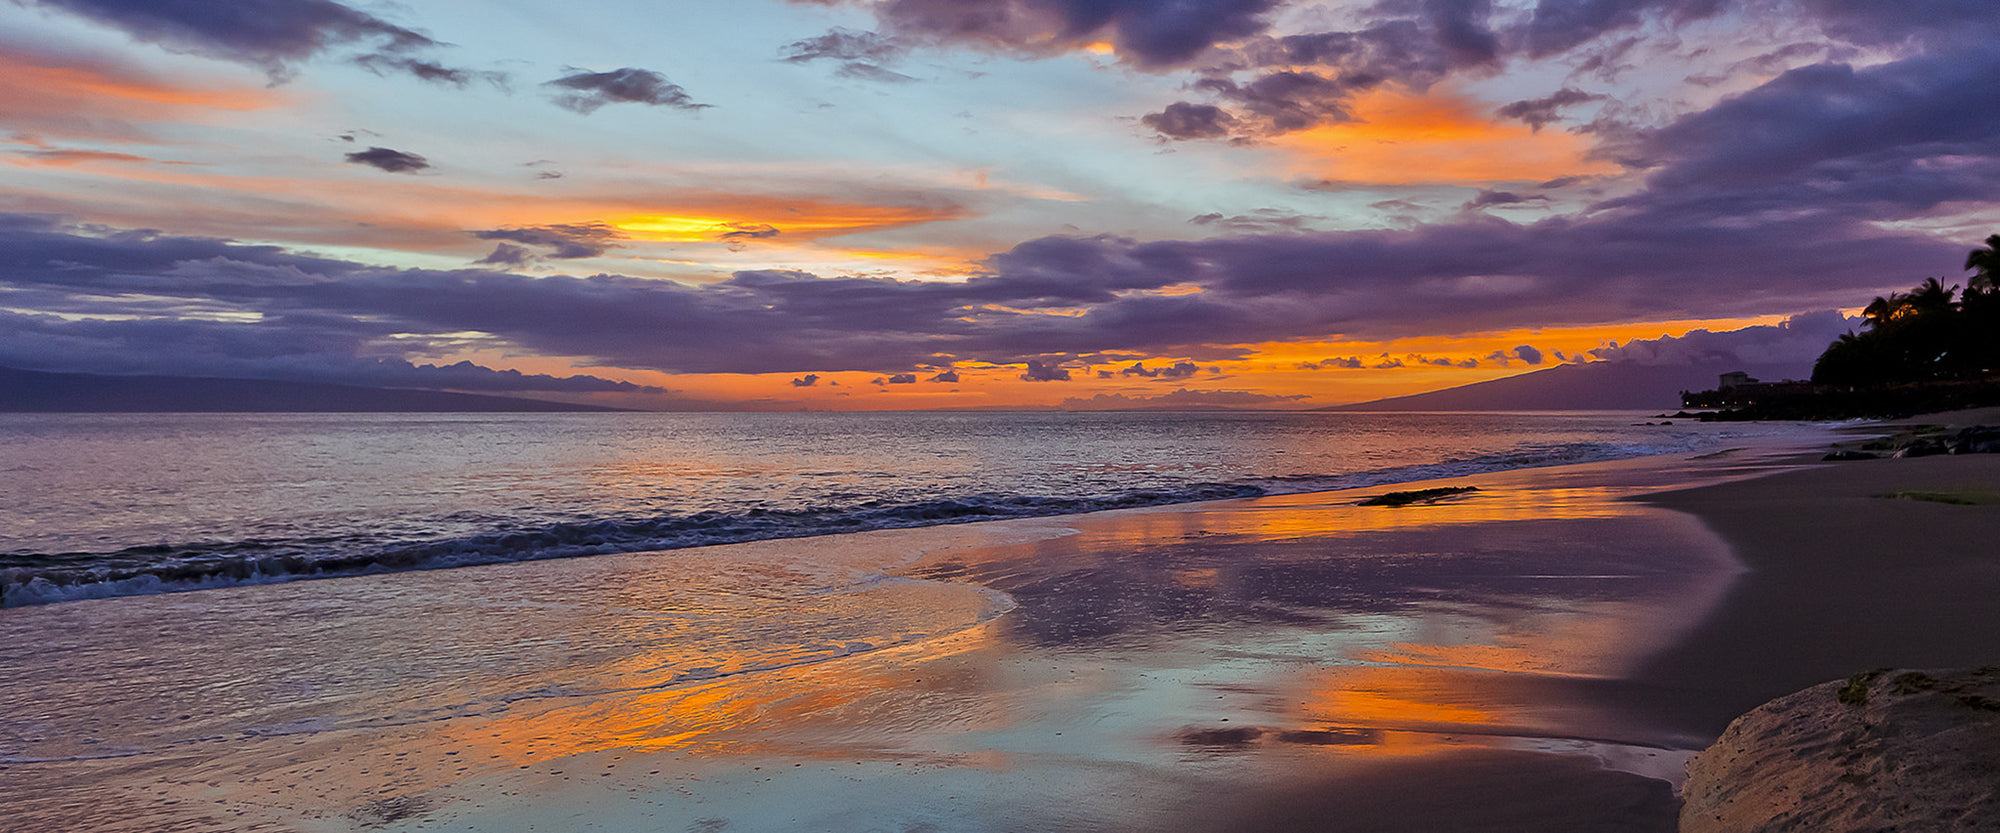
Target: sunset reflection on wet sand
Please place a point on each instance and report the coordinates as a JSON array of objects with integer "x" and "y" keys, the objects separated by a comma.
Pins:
[{"x": 1122, "y": 670}]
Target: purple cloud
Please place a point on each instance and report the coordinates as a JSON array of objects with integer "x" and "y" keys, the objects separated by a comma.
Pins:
[
  {"x": 1178, "y": 370},
  {"x": 432, "y": 71},
  {"x": 294, "y": 347},
  {"x": 1146, "y": 32},
  {"x": 1559, "y": 25},
  {"x": 1040, "y": 371},
  {"x": 1797, "y": 341},
  {"x": 273, "y": 35},
  {"x": 584, "y": 92},
  {"x": 1258, "y": 221},
  {"x": 1279, "y": 84},
  {"x": 389, "y": 159},
  {"x": 861, "y": 55},
  {"x": 1182, "y": 120},
  {"x": 1539, "y": 112},
  {"x": 507, "y": 254},
  {"x": 1488, "y": 197},
  {"x": 567, "y": 241},
  {"x": 1282, "y": 102}
]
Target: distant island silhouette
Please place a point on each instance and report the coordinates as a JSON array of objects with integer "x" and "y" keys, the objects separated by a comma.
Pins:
[{"x": 40, "y": 391}]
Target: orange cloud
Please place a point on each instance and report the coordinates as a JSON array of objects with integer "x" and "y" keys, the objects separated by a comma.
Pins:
[
  {"x": 1399, "y": 138},
  {"x": 365, "y": 208},
  {"x": 725, "y": 217},
  {"x": 50, "y": 96},
  {"x": 67, "y": 157}
]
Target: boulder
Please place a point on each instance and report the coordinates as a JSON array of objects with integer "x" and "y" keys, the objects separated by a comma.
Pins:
[
  {"x": 1925, "y": 448},
  {"x": 1883, "y": 750}
]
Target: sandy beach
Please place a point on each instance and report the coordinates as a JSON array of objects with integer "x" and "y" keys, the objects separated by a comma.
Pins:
[
  {"x": 1544, "y": 653},
  {"x": 1842, "y": 579}
]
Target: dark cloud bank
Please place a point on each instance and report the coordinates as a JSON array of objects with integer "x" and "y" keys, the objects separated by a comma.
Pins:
[{"x": 1249, "y": 81}]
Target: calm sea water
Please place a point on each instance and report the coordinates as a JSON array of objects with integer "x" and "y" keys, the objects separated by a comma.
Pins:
[
  {"x": 1129, "y": 671},
  {"x": 113, "y": 505}
]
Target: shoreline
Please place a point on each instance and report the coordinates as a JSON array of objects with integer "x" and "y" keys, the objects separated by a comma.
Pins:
[
  {"x": 221, "y": 565},
  {"x": 1545, "y": 652}
]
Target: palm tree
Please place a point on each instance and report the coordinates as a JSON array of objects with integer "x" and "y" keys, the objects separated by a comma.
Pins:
[
  {"x": 1979, "y": 331},
  {"x": 1925, "y": 333},
  {"x": 1987, "y": 261},
  {"x": 1881, "y": 311},
  {"x": 1931, "y": 297}
]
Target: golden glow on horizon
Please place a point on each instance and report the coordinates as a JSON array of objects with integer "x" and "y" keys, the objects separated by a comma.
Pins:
[
  {"x": 1399, "y": 138},
  {"x": 786, "y": 224},
  {"x": 669, "y": 227},
  {"x": 1272, "y": 369}
]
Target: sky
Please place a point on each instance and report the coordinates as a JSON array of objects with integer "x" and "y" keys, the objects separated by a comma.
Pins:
[{"x": 904, "y": 204}]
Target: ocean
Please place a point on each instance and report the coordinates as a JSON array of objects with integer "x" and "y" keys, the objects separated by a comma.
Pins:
[
  {"x": 1167, "y": 667},
  {"x": 110, "y": 505}
]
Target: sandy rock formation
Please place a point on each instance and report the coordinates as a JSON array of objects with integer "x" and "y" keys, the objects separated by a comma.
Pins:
[{"x": 1883, "y": 750}]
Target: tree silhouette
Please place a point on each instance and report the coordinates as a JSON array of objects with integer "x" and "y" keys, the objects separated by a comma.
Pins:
[
  {"x": 1924, "y": 334},
  {"x": 1883, "y": 310},
  {"x": 1931, "y": 297},
  {"x": 1987, "y": 263}
]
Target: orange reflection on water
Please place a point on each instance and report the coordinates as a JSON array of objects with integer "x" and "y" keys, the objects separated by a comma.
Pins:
[
  {"x": 847, "y": 709},
  {"x": 1519, "y": 658},
  {"x": 1390, "y": 697},
  {"x": 1409, "y": 710},
  {"x": 1337, "y": 513},
  {"x": 824, "y": 709}
]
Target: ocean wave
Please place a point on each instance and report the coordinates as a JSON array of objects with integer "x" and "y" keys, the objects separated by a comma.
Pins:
[{"x": 28, "y": 578}]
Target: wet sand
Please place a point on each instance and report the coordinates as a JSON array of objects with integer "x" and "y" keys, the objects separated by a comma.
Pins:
[
  {"x": 1842, "y": 579},
  {"x": 1542, "y": 654}
]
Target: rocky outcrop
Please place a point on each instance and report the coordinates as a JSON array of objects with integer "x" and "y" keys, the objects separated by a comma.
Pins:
[
  {"x": 1925, "y": 441},
  {"x": 1883, "y": 750}
]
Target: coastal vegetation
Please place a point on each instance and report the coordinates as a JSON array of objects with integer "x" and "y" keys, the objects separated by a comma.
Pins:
[
  {"x": 1925, "y": 334},
  {"x": 1933, "y": 348}
]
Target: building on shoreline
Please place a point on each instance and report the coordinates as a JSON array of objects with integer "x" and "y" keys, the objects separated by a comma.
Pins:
[{"x": 1737, "y": 389}]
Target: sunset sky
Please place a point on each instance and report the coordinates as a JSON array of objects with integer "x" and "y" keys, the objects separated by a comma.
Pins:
[{"x": 868, "y": 204}]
